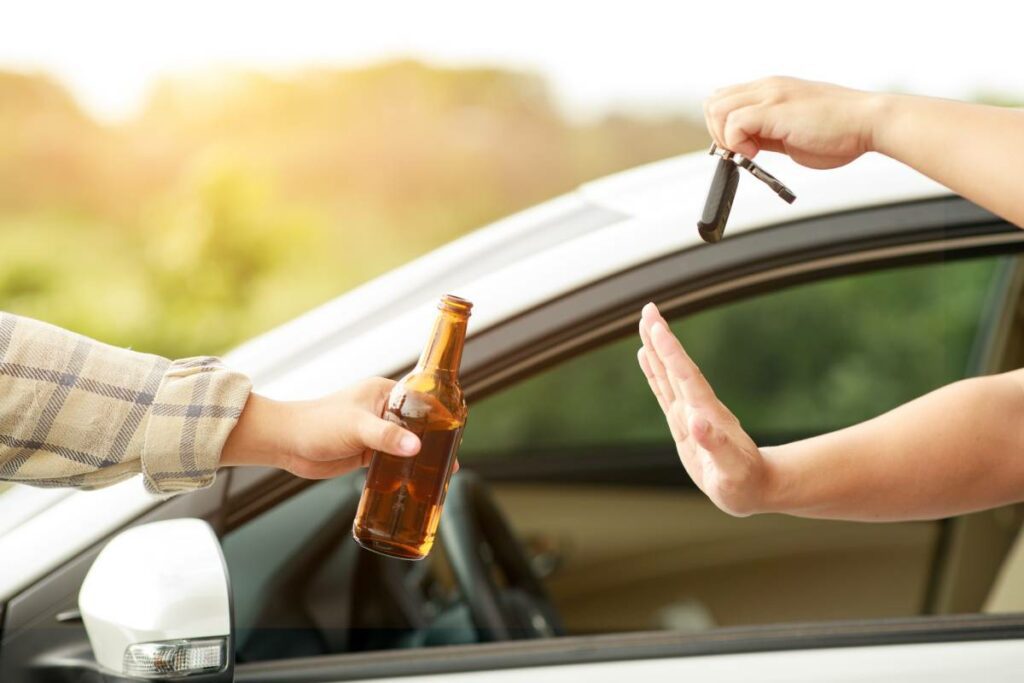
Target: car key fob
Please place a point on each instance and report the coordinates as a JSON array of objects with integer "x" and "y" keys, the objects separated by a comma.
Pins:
[
  {"x": 719, "y": 202},
  {"x": 717, "y": 206}
]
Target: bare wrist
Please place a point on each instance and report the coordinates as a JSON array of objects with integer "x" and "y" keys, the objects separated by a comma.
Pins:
[
  {"x": 777, "y": 487},
  {"x": 262, "y": 434},
  {"x": 883, "y": 114}
]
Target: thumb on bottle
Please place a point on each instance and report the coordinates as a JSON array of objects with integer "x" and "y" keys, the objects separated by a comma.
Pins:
[{"x": 380, "y": 435}]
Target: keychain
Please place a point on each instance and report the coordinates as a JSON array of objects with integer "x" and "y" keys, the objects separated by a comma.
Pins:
[{"x": 723, "y": 190}]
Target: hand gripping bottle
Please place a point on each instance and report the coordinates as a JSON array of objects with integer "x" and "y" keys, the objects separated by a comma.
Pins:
[{"x": 402, "y": 498}]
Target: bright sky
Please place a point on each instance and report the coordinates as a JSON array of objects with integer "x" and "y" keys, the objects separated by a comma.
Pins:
[{"x": 644, "y": 54}]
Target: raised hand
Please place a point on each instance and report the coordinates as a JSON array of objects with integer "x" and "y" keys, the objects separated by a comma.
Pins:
[{"x": 715, "y": 451}]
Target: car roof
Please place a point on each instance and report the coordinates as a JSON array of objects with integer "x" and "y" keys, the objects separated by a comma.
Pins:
[{"x": 604, "y": 227}]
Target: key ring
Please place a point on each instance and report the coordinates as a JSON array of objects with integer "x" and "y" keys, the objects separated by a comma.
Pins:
[{"x": 722, "y": 192}]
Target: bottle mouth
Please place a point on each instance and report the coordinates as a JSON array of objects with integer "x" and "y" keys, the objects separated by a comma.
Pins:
[{"x": 450, "y": 302}]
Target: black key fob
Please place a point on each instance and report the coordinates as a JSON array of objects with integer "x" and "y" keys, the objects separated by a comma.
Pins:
[
  {"x": 717, "y": 206},
  {"x": 719, "y": 202}
]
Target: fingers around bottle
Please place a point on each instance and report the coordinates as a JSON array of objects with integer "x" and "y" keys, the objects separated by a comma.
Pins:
[
  {"x": 376, "y": 392},
  {"x": 380, "y": 435},
  {"x": 322, "y": 469}
]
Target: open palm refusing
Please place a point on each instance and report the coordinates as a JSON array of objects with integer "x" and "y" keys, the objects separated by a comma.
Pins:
[{"x": 715, "y": 450}]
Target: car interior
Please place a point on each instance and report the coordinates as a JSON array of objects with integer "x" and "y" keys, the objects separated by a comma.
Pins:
[{"x": 572, "y": 514}]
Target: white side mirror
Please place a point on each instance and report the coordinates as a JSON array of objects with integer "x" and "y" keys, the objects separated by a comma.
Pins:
[{"x": 156, "y": 603}]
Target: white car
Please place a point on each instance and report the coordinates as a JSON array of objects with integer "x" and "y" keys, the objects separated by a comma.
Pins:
[{"x": 573, "y": 545}]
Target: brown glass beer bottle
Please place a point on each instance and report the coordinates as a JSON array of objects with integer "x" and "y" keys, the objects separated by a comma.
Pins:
[{"x": 402, "y": 498}]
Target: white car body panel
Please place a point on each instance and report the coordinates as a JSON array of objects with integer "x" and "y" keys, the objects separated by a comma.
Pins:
[
  {"x": 378, "y": 328},
  {"x": 992, "y": 662},
  {"x": 70, "y": 525}
]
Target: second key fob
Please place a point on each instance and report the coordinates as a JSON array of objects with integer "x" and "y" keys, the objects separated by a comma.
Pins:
[{"x": 719, "y": 202}]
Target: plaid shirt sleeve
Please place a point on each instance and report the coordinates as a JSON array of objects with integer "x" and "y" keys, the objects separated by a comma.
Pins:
[{"x": 76, "y": 412}]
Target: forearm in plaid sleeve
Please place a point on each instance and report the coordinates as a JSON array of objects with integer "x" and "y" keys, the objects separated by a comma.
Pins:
[{"x": 76, "y": 412}]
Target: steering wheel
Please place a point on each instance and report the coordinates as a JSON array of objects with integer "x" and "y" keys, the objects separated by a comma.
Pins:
[{"x": 477, "y": 539}]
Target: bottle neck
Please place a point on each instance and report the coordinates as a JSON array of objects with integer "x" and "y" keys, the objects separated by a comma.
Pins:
[{"x": 443, "y": 352}]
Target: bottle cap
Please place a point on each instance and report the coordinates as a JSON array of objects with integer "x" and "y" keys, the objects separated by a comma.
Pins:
[{"x": 450, "y": 302}]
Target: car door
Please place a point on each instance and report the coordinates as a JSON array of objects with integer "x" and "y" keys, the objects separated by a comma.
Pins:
[
  {"x": 274, "y": 526},
  {"x": 580, "y": 458},
  {"x": 641, "y": 565}
]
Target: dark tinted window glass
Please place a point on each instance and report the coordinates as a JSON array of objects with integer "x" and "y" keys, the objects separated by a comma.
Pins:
[{"x": 795, "y": 362}]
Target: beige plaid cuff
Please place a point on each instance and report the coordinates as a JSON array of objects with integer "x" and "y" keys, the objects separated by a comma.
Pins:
[
  {"x": 76, "y": 412},
  {"x": 195, "y": 408}
]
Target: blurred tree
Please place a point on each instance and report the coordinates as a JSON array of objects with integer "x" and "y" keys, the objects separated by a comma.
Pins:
[
  {"x": 237, "y": 200},
  {"x": 49, "y": 150},
  {"x": 218, "y": 243}
]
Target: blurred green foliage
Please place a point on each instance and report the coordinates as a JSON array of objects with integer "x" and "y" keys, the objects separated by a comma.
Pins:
[
  {"x": 235, "y": 201},
  {"x": 791, "y": 363}
]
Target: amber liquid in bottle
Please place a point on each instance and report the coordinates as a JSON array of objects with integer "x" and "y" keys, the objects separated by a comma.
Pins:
[{"x": 403, "y": 496}]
